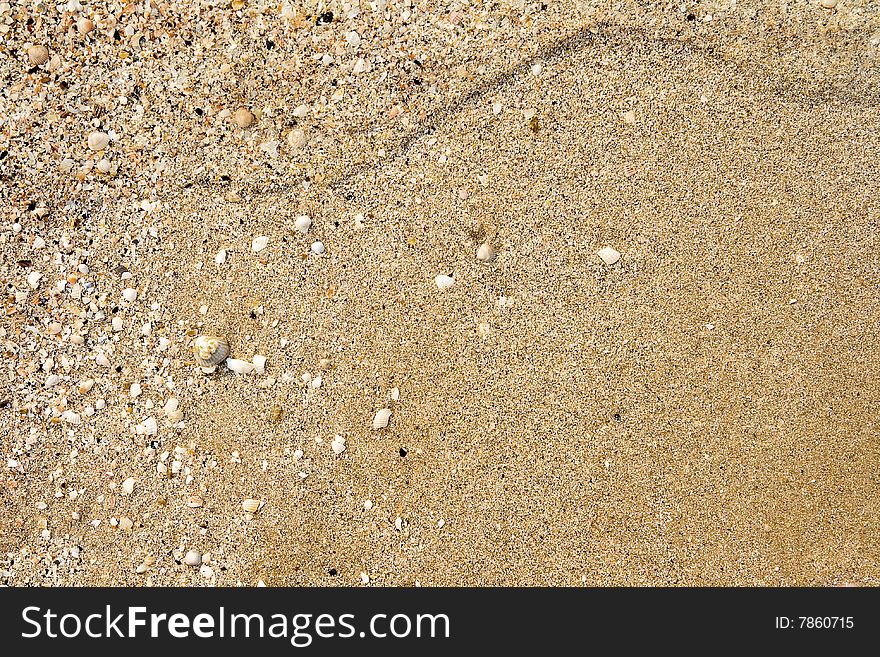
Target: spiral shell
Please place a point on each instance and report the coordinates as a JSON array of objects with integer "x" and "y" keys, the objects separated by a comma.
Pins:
[{"x": 210, "y": 350}]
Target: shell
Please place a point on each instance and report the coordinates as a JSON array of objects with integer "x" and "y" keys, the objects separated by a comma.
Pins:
[
  {"x": 444, "y": 282},
  {"x": 210, "y": 350},
  {"x": 38, "y": 55},
  {"x": 239, "y": 366},
  {"x": 383, "y": 415},
  {"x": 251, "y": 506},
  {"x": 485, "y": 253},
  {"x": 609, "y": 256},
  {"x": 98, "y": 140},
  {"x": 302, "y": 224}
]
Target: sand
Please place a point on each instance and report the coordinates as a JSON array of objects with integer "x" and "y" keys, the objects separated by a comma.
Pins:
[{"x": 702, "y": 412}]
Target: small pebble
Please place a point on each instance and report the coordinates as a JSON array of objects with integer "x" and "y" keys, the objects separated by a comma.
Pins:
[
  {"x": 128, "y": 486},
  {"x": 220, "y": 258},
  {"x": 317, "y": 248},
  {"x": 193, "y": 558},
  {"x": 129, "y": 294},
  {"x": 259, "y": 364}
]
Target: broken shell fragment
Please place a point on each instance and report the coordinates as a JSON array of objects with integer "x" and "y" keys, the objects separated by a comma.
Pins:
[
  {"x": 383, "y": 415},
  {"x": 210, "y": 350},
  {"x": 251, "y": 506},
  {"x": 609, "y": 256},
  {"x": 302, "y": 224},
  {"x": 485, "y": 253},
  {"x": 38, "y": 55},
  {"x": 444, "y": 282},
  {"x": 239, "y": 366}
]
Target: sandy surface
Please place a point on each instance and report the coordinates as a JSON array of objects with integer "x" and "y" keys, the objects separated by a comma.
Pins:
[{"x": 702, "y": 412}]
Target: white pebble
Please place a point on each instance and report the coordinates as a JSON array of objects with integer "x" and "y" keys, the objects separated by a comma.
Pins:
[
  {"x": 128, "y": 486},
  {"x": 380, "y": 421},
  {"x": 365, "y": 578},
  {"x": 298, "y": 454},
  {"x": 398, "y": 524},
  {"x": 193, "y": 558},
  {"x": 537, "y": 68},
  {"x": 338, "y": 445},
  {"x": 259, "y": 243},
  {"x": 117, "y": 324},
  {"x": 171, "y": 405},
  {"x": 609, "y": 256},
  {"x": 33, "y": 279},
  {"x": 150, "y": 427},
  {"x": 318, "y": 248},
  {"x": 129, "y": 294},
  {"x": 368, "y": 505},
  {"x": 220, "y": 258},
  {"x": 135, "y": 390},
  {"x": 444, "y": 282},
  {"x": 239, "y": 366},
  {"x": 302, "y": 224},
  {"x": 259, "y": 364},
  {"x": 101, "y": 359}
]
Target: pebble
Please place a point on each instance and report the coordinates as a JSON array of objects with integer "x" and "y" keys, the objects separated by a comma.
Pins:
[
  {"x": 338, "y": 444},
  {"x": 117, "y": 324},
  {"x": 135, "y": 390},
  {"x": 380, "y": 421},
  {"x": 365, "y": 578},
  {"x": 259, "y": 243},
  {"x": 192, "y": 558},
  {"x": 220, "y": 258},
  {"x": 608, "y": 255},
  {"x": 828, "y": 4},
  {"x": 298, "y": 454},
  {"x": 368, "y": 505},
  {"x": 38, "y": 55},
  {"x": 129, "y": 294},
  {"x": 444, "y": 282},
  {"x": 259, "y": 364},
  {"x": 302, "y": 224},
  {"x": 128, "y": 486},
  {"x": 98, "y": 141},
  {"x": 243, "y": 117},
  {"x": 317, "y": 248}
]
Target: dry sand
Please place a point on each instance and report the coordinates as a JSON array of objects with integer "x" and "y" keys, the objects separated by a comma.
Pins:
[{"x": 702, "y": 412}]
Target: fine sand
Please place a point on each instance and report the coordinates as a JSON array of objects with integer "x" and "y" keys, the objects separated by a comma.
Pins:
[{"x": 704, "y": 411}]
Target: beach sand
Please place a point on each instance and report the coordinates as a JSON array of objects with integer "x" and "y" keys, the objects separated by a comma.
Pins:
[{"x": 703, "y": 411}]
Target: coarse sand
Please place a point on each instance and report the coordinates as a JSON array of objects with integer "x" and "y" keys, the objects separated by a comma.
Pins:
[{"x": 703, "y": 411}]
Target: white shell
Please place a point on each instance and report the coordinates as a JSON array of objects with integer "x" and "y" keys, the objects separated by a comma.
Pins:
[
  {"x": 259, "y": 364},
  {"x": 130, "y": 294},
  {"x": 98, "y": 141},
  {"x": 193, "y": 558},
  {"x": 251, "y": 506},
  {"x": 609, "y": 256},
  {"x": 220, "y": 258},
  {"x": 33, "y": 279},
  {"x": 259, "y": 243},
  {"x": 444, "y": 282},
  {"x": 485, "y": 253},
  {"x": 318, "y": 248},
  {"x": 383, "y": 415},
  {"x": 302, "y": 224},
  {"x": 239, "y": 366},
  {"x": 128, "y": 486},
  {"x": 210, "y": 350}
]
